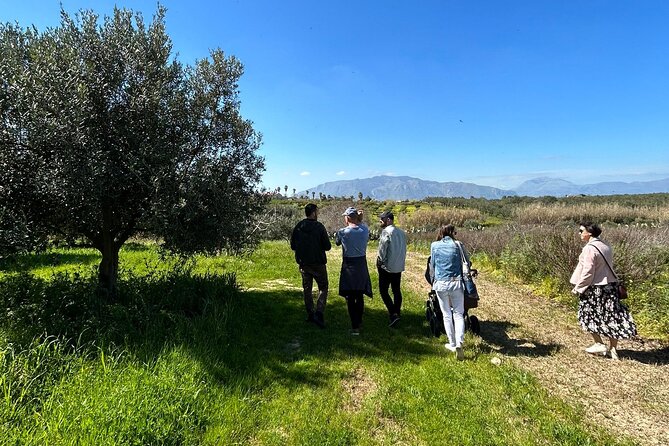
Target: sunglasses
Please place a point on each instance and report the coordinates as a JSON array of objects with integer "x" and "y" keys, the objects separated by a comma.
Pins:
[{"x": 581, "y": 231}]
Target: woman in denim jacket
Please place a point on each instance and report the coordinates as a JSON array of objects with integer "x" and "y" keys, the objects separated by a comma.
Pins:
[{"x": 446, "y": 262}]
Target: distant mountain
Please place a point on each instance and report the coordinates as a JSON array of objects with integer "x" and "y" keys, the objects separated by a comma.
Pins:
[
  {"x": 405, "y": 188},
  {"x": 556, "y": 187}
]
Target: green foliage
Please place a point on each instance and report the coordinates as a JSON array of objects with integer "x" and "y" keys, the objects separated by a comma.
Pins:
[
  {"x": 252, "y": 372},
  {"x": 104, "y": 133},
  {"x": 69, "y": 305}
]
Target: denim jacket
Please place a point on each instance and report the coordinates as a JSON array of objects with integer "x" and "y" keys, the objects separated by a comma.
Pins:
[{"x": 446, "y": 260}]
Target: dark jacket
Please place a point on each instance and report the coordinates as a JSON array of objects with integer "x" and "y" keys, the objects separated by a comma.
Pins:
[{"x": 310, "y": 240}]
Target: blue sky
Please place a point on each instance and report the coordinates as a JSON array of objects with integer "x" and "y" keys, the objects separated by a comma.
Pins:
[{"x": 489, "y": 92}]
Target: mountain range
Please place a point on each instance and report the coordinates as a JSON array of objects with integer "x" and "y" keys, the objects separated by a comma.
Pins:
[{"x": 407, "y": 188}]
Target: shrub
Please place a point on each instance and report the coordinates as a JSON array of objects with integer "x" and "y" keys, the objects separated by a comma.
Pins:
[
  {"x": 429, "y": 221},
  {"x": 277, "y": 221},
  {"x": 70, "y": 305},
  {"x": 541, "y": 213}
]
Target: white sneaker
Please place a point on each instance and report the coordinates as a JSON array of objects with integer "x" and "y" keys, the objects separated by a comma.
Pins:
[
  {"x": 450, "y": 347},
  {"x": 597, "y": 349},
  {"x": 459, "y": 354},
  {"x": 614, "y": 354}
]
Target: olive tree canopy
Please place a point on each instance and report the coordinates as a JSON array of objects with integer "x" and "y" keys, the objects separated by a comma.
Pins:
[{"x": 104, "y": 133}]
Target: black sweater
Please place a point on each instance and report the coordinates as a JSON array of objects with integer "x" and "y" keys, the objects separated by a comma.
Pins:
[{"x": 310, "y": 240}]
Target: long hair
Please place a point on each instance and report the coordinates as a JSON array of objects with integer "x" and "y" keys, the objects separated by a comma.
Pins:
[{"x": 446, "y": 231}]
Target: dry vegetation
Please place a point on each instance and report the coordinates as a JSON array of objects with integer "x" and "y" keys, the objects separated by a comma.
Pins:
[
  {"x": 541, "y": 214},
  {"x": 628, "y": 397}
]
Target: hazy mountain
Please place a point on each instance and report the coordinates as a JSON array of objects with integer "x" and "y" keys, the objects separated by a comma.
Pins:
[
  {"x": 558, "y": 188},
  {"x": 405, "y": 188},
  {"x": 408, "y": 188}
]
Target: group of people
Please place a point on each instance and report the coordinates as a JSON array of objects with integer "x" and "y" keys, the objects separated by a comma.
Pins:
[
  {"x": 600, "y": 311},
  {"x": 310, "y": 241}
]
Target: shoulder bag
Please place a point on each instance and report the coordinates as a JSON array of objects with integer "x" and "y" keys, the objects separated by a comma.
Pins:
[
  {"x": 622, "y": 289},
  {"x": 471, "y": 293}
]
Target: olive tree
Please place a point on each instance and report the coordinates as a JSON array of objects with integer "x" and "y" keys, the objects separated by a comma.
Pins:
[{"x": 104, "y": 133}]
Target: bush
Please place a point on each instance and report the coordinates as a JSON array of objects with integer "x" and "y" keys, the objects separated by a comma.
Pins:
[
  {"x": 277, "y": 221},
  {"x": 429, "y": 221},
  {"x": 70, "y": 305},
  {"x": 541, "y": 213}
]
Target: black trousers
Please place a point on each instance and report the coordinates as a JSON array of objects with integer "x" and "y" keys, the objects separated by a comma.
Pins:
[
  {"x": 390, "y": 280},
  {"x": 355, "y": 301}
]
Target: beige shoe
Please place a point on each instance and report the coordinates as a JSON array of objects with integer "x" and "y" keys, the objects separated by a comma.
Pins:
[
  {"x": 597, "y": 349},
  {"x": 450, "y": 348},
  {"x": 614, "y": 354}
]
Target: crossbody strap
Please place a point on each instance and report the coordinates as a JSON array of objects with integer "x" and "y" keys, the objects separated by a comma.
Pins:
[
  {"x": 464, "y": 259},
  {"x": 606, "y": 261}
]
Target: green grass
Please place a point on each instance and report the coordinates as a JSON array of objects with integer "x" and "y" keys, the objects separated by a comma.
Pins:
[{"x": 249, "y": 370}]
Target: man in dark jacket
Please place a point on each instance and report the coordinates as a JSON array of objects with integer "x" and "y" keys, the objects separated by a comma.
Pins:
[{"x": 310, "y": 240}]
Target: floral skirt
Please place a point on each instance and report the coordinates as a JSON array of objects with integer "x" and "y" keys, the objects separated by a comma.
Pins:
[{"x": 600, "y": 311}]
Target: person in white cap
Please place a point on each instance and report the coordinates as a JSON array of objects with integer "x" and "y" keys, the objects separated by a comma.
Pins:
[{"x": 354, "y": 280}]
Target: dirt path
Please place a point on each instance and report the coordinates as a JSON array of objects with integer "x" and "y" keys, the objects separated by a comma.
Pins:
[{"x": 630, "y": 397}]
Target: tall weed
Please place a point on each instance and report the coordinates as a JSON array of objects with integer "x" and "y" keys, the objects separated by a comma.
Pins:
[
  {"x": 542, "y": 214},
  {"x": 429, "y": 221}
]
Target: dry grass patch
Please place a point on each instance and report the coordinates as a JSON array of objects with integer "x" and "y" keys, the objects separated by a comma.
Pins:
[
  {"x": 359, "y": 386},
  {"x": 276, "y": 284},
  {"x": 630, "y": 396}
]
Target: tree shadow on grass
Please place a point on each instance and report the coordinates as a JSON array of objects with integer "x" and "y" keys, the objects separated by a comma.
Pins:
[
  {"x": 496, "y": 335},
  {"x": 28, "y": 262},
  {"x": 254, "y": 337},
  {"x": 268, "y": 337}
]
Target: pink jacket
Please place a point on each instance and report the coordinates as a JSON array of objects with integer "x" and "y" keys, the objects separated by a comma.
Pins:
[{"x": 591, "y": 268}]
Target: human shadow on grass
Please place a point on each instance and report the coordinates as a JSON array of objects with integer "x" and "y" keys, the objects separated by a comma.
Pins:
[
  {"x": 496, "y": 335},
  {"x": 252, "y": 336},
  {"x": 658, "y": 356},
  {"x": 267, "y": 332}
]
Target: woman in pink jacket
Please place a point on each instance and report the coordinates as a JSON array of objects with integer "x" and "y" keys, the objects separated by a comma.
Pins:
[{"x": 600, "y": 311}]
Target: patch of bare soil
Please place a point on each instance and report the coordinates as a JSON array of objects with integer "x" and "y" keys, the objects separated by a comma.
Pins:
[
  {"x": 629, "y": 397},
  {"x": 358, "y": 385},
  {"x": 276, "y": 284}
]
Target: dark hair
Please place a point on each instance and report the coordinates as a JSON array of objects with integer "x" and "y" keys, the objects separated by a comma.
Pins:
[
  {"x": 446, "y": 231},
  {"x": 309, "y": 209},
  {"x": 592, "y": 228}
]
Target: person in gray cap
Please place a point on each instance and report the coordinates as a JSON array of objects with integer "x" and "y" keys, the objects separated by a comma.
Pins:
[
  {"x": 310, "y": 240},
  {"x": 390, "y": 264},
  {"x": 354, "y": 280}
]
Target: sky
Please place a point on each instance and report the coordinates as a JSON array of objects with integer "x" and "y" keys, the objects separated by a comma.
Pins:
[{"x": 489, "y": 92}]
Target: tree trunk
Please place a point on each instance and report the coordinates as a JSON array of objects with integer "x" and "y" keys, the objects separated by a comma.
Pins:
[{"x": 108, "y": 270}]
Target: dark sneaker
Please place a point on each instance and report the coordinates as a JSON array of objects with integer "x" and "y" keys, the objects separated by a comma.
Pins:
[{"x": 394, "y": 320}]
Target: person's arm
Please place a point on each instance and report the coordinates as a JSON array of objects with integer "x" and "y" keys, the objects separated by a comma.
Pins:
[
  {"x": 384, "y": 241},
  {"x": 293, "y": 241},
  {"x": 587, "y": 271},
  {"x": 325, "y": 240},
  {"x": 337, "y": 237},
  {"x": 467, "y": 258}
]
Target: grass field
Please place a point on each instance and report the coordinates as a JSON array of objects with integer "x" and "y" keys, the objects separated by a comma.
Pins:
[{"x": 249, "y": 370}]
